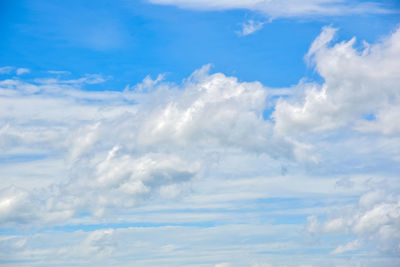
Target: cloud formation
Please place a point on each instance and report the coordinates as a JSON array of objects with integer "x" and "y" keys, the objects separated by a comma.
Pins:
[
  {"x": 118, "y": 151},
  {"x": 250, "y": 27},
  {"x": 283, "y": 8},
  {"x": 356, "y": 84},
  {"x": 123, "y": 147},
  {"x": 374, "y": 220},
  {"x": 6, "y": 70}
]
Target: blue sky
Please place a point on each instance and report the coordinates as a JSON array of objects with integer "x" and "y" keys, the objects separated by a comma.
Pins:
[
  {"x": 199, "y": 133},
  {"x": 131, "y": 39}
]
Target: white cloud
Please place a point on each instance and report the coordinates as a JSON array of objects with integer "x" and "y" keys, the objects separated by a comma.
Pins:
[
  {"x": 59, "y": 72},
  {"x": 21, "y": 71},
  {"x": 345, "y": 248},
  {"x": 374, "y": 221},
  {"x": 82, "y": 140},
  {"x": 15, "y": 205},
  {"x": 356, "y": 83},
  {"x": 120, "y": 154},
  {"x": 250, "y": 27},
  {"x": 88, "y": 79},
  {"x": 9, "y": 69},
  {"x": 201, "y": 151},
  {"x": 282, "y": 8},
  {"x": 6, "y": 70},
  {"x": 147, "y": 246},
  {"x": 384, "y": 121},
  {"x": 147, "y": 83}
]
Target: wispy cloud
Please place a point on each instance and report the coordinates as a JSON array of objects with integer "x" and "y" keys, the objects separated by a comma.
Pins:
[
  {"x": 21, "y": 71},
  {"x": 250, "y": 27},
  {"x": 373, "y": 220},
  {"x": 337, "y": 102},
  {"x": 284, "y": 8},
  {"x": 59, "y": 72},
  {"x": 6, "y": 70}
]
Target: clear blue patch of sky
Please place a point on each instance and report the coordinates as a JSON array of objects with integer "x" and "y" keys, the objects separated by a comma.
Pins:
[
  {"x": 370, "y": 117},
  {"x": 131, "y": 39}
]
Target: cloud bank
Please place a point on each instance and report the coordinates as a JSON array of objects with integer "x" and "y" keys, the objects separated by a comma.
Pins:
[
  {"x": 108, "y": 154},
  {"x": 123, "y": 147}
]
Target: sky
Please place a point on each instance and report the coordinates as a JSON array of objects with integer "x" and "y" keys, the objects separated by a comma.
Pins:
[{"x": 216, "y": 133}]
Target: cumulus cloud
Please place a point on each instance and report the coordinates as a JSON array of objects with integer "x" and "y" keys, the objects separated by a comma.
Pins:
[
  {"x": 152, "y": 139},
  {"x": 125, "y": 147},
  {"x": 15, "y": 205},
  {"x": 283, "y": 8},
  {"x": 360, "y": 94},
  {"x": 347, "y": 247},
  {"x": 374, "y": 220},
  {"x": 151, "y": 142},
  {"x": 356, "y": 84},
  {"x": 121, "y": 181},
  {"x": 147, "y": 83},
  {"x": 149, "y": 246}
]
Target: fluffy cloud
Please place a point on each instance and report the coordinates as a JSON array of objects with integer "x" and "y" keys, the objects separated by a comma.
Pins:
[
  {"x": 212, "y": 110},
  {"x": 356, "y": 85},
  {"x": 374, "y": 220},
  {"x": 360, "y": 95},
  {"x": 122, "y": 148},
  {"x": 116, "y": 152}
]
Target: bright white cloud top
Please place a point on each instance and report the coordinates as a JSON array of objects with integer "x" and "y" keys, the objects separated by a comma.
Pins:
[
  {"x": 357, "y": 83},
  {"x": 190, "y": 172}
]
